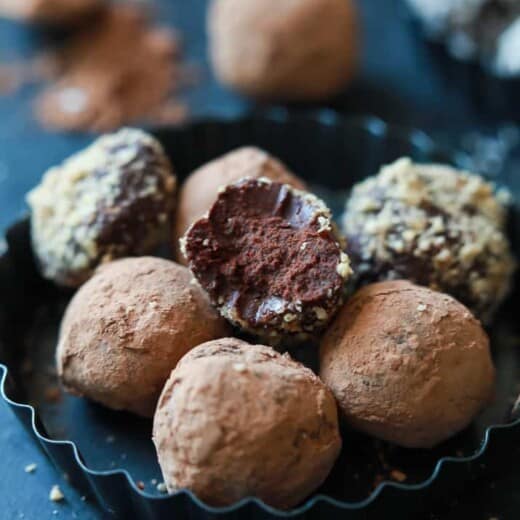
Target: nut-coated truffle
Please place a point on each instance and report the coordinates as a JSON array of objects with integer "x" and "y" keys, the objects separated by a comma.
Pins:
[
  {"x": 435, "y": 226},
  {"x": 479, "y": 30},
  {"x": 270, "y": 259},
  {"x": 126, "y": 329},
  {"x": 407, "y": 364},
  {"x": 231, "y": 423},
  {"x": 111, "y": 200},
  {"x": 200, "y": 190},
  {"x": 286, "y": 50}
]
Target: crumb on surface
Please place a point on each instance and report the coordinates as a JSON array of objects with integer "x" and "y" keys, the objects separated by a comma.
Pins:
[
  {"x": 30, "y": 468},
  {"x": 161, "y": 487},
  {"x": 398, "y": 475},
  {"x": 56, "y": 494}
]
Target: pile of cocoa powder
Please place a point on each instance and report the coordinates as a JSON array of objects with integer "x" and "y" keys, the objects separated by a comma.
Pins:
[{"x": 118, "y": 69}]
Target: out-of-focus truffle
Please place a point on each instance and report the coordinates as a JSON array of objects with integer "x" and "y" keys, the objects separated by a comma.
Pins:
[
  {"x": 507, "y": 62},
  {"x": 407, "y": 364},
  {"x": 126, "y": 329},
  {"x": 292, "y": 50},
  {"x": 231, "y": 423},
  {"x": 435, "y": 226},
  {"x": 270, "y": 259},
  {"x": 111, "y": 200},
  {"x": 200, "y": 190},
  {"x": 49, "y": 11},
  {"x": 475, "y": 29}
]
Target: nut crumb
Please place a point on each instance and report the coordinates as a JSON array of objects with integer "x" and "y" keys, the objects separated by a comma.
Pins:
[
  {"x": 140, "y": 484},
  {"x": 161, "y": 487},
  {"x": 398, "y": 475},
  {"x": 421, "y": 307},
  {"x": 239, "y": 367},
  {"x": 55, "y": 494},
  {"x": 52, "y": 394},
  {"x": 30, "y": 468}
]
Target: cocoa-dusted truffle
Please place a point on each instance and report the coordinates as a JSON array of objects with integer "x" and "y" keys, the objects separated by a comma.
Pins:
[
  {"x": 126, "y": 329},
  {"x": 200, "y": 190},
  {"x": 231, "y": 423},
  {"x": 49, "y": 11},
  {"x": 407, "y": 364},
  {"x": 289, "y": 50},
  {"x": 435, "y": 226},
  {"x": 270, "y": 259},
  {"x": 111, "y": 200}
]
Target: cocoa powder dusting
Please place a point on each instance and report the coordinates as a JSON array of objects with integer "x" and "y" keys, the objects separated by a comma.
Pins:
[
  {"x": 117, "y": 69},
  {"x": 114, "y": 72}
]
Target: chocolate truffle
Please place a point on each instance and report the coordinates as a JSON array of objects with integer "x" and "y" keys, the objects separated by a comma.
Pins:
[
  {"x": 111, "y": 200},
  {"x": 231, "y": 423},
  {"x": 474, "y": 29},
  {"x": 126, "y": 329},
  {"x": 49, "y": 11},
  {"x": 200, "y": 190},
  {"x": 297, "y": 50},
  {"x": 270, "y": 259},
  {"x": 435, "y": 226},
  {"x": 407, "y": 364}
]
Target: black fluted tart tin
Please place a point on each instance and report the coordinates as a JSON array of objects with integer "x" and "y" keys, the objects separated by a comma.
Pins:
[{"x": 109, "y": 456}]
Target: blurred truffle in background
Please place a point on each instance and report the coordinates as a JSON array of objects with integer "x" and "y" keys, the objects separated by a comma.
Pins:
[
  {"x": 287, "y": 50},
  {"x": 49, "y": 11},
  {"x": 487, "y": 31}
]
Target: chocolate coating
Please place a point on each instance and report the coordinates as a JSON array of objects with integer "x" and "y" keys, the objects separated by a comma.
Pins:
[
  {"x": 270, "y": 259},
  {"x": 200, "y": 190},
  {"x": 231, "y": 423},
  {"x": 126, "y": 329},
  {"x": 111, "y": 200},
  {"x": 288, "y": 50},
  {"x": 435, "y": 226},
  {"x": 407, "y": 364}
]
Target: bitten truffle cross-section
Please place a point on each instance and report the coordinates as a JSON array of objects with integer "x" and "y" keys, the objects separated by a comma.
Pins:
[{"x": 270, "y": 259}]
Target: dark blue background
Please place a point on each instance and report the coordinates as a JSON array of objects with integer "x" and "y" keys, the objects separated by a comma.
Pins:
[{"x": 402, "y": 80}]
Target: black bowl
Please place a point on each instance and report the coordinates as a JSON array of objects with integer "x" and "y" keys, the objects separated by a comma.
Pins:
[{"x": 105, "y": 453}]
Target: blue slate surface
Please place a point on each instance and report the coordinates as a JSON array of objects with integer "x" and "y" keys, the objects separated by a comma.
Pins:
[{"x": 399, "y": 81}]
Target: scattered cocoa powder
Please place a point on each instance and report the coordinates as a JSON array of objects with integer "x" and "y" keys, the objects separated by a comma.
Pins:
[
  {"x": 398, "y": 475},
  {"x": 114, "y": 72},
  {"x": 117, "y": 69}
]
